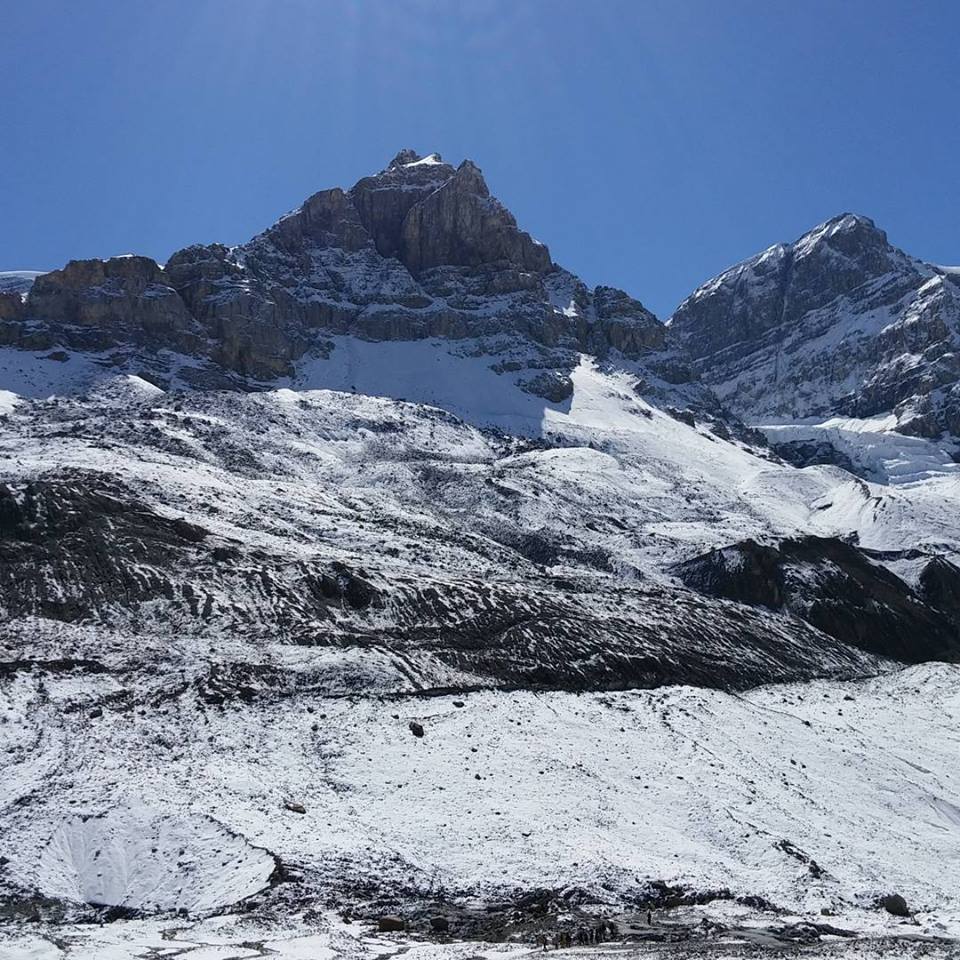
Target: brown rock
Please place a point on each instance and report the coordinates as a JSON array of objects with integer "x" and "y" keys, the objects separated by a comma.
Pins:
[{"x": 460, "y": 224}]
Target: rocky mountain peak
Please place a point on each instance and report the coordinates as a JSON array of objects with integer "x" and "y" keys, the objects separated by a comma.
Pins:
[
  {"x": 420, "y": 249},
  {"x": 850, "y": 246},
  {"x": 836, "y": 321},
  {"x": 405, "y": 157},
  {"x": 384, "y": 199},
  {"x": 460, "y": 224},
  {"x": 471, "y": 177}
]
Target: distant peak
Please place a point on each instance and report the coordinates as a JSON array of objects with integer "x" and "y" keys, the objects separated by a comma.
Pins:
[
  {"x": 851, "y": 223},
  {"x": 846, "y": 230}
]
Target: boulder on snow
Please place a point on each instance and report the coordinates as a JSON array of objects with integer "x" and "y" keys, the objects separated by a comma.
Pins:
[
  {"x": 439, "y": 924},
  {"x": 416, "y": 728},
  {"x": 894, "y": 904},
  {"x": 391, "y": 924}
]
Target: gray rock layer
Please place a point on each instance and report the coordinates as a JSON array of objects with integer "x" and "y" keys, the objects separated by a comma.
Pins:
[{"x": 839, "y": 321}]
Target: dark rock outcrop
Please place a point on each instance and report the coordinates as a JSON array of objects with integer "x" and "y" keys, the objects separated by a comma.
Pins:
[
  {"x": 939, "y": 585},
  {"x": 11, "y": 306},
  {"x": 84, "y": 550},
  {"x": 625, "y": 324},
  {"x": 384, "y": 200},
  {"x": 834, "y": 587},
  {"x": 808, "y": 453},
  {"x": 894, "y": 904},
  {"x": 69, "y": 549},
  {"x": 460, "y": 224},
  {"x": 94, "y": 303}
]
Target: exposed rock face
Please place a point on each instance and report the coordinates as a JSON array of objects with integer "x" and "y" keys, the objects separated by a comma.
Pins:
[
  {"x": 894, "y": 904},
  {"x": 940, "y": 585},
  {"x": 834, "y": 587},
  {"x": 460, "y": 224},
  {"x": 625, "y": 324},
  {"x": 69, "y": 533},
  {"x": 384, "y": 200},
  {"x": 808, "y": 453},
  {"x": 11, "y": 306},
  {"x": 94, "y": 303},
  {"x": 837, "y": 322},
  {"x": 82, "y": 550},
  {"x": 419, "y": 250}
]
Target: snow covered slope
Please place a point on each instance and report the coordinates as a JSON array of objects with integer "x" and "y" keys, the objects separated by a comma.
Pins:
[
  {"x": 380, "y": 554},
  {"x": 18, "y": 281},
  {"x": 321, "y": 517},
  {"x": 816, "y": 795}
]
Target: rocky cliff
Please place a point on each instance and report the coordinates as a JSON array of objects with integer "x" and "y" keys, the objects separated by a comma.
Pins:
[{"x": 419, "y": 250}]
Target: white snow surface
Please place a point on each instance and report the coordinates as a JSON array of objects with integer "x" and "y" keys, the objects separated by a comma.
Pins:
[
  {"x": 528, "y": 789},
  {"x": 679, "y": 490},
  {"x": 135, "y": 857},
  {"x": 874, "y": 446},
  {"x": 603, "y": 791}
]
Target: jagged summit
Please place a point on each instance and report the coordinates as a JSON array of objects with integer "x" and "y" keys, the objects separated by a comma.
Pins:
[
  {"x": 852, "y": 234},
  {"x": 420, "y": 249},
  {"x": 410, "y": 158},
  {"x": 405, "y": 157}
]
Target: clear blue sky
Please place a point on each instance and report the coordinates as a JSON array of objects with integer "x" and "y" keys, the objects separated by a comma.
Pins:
[{"x": 650, "y": 144}]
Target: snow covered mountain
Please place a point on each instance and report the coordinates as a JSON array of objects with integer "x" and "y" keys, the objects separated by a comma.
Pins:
[
  {"x": 293, "y": 529},
  {"x": 838, "y": 323}
]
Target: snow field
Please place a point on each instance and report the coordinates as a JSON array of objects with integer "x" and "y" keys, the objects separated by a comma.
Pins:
[{"x": 603, "y": 791}]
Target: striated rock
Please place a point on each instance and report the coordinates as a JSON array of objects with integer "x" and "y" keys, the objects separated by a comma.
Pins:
[
  {"x": 65, "y": 532},
  {"x": 939, "y": 585},
  {"x": 460, "y": 224},
  {"x": 131, "y": 295},
  {"x": 327, "y": 219},
  {"x": 384, "y": 200}
]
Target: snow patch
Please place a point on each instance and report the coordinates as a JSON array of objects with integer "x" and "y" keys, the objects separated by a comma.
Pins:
[{"x": 145, "y": 860}]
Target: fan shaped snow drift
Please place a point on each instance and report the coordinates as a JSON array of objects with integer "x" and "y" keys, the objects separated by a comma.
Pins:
[{"x": 146, "y": 861}]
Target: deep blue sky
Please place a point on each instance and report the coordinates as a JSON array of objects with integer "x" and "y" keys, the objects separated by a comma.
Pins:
[{"x": 650, "y": 144}]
